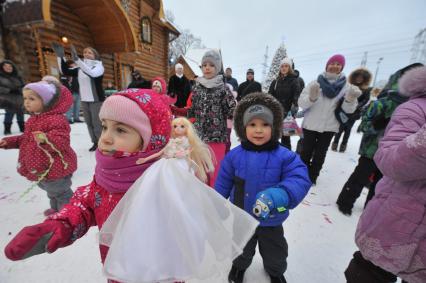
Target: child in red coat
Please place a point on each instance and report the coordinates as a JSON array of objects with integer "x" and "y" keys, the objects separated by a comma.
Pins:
[
  {"x": 136, "y": 124},
  {"x": 45, "y": 154}
]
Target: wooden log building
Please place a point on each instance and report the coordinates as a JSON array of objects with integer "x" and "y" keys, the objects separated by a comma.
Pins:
[{"x": 129, "y": 35}]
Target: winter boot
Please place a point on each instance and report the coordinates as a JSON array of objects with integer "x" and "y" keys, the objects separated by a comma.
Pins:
[
  {"x": 7, "y": 127},
  {"x": 236, "y": 275},
  {"x": 21, "y": 126},
  {"x": 94, "y": 147},
  {"x": 334, "y": 146},
  {"x": 280, "y": 279},
  {"x": 344, "y": 210},
  {"x": 342, "y": 147}
]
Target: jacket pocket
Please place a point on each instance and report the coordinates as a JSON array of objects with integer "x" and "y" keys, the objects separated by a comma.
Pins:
[{"x": 239, "y": 191}]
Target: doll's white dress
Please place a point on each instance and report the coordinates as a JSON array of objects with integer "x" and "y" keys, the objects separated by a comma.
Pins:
[{"x": 170, "y": 226}]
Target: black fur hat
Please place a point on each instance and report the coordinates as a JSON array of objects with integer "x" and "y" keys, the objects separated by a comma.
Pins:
[{"x": 263, "y": 99}]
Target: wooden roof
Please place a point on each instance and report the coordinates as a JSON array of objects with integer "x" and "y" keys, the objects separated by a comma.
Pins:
[{"x": 106, "y": 20}]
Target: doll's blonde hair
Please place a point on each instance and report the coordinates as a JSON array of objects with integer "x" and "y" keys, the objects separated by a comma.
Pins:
[{"x": 200, "y": 152}]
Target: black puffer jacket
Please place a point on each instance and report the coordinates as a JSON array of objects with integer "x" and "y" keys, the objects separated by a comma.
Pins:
[
  {"x": 248, "y": 87},
  {"x": 286, "y": 90},
  {"x": 180, "y": 87},
  {"x": 11, "y": 85}
]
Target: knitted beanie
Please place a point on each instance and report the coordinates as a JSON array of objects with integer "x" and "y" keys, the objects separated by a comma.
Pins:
[
  {"x": 336, "y": 58},
  {"x": 45, "y": 90},
  {"x": 287, "y": 61},
  {"x": 143, "y": 110},
  {"x": 213, "y": 57}
]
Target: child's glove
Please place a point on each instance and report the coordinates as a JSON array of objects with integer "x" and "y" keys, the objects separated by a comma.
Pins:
[
  {"x": 353, "y": 93},
  {"x": 58, "y": 49},
  {"x": 268, "y": 200},
  {"x": 314, "y": 91},
  {"x": 74, "y": 54},
  {"x": 37, "y": 239}
]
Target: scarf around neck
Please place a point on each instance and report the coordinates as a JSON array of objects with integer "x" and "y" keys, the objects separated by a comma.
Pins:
[
  {"x": 216, "y": 81},
  {"x": 331, "y": 85},
  {"x": 118, "y": 172}
]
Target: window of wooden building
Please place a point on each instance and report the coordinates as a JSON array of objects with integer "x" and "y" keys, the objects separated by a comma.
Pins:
[{"x": 146, "y": 30}]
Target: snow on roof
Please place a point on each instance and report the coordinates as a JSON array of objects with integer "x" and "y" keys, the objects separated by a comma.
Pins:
[{"x": 193, "y": 59}]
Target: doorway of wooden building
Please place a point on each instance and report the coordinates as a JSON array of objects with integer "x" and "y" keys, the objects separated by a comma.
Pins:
[{"x": 52, "y": 67}]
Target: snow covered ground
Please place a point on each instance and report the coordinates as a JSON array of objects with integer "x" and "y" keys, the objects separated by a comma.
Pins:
[{"x": 320, "y": 239}]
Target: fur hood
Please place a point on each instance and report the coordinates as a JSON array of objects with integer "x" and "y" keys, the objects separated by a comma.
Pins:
[
  {"x": 263, "y": 99},
  {"x": 413, "y": 82},
  {"x": 366, "y": 74}
]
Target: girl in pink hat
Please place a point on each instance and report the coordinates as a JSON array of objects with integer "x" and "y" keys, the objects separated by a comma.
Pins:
[{"x": 45, "y": 153}]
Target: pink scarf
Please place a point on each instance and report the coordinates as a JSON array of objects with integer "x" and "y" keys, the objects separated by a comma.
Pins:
[{"x": 118, "y": 172}]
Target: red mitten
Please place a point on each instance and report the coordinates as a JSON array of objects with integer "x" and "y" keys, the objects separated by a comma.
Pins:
[{"x": 44, "y": 237}]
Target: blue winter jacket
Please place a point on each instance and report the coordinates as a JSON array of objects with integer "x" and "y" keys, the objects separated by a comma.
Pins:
[{"x": 244, "y": 173}]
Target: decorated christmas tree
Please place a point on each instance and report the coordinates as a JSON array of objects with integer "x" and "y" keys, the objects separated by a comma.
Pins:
[{"x": 275, "y": 67}]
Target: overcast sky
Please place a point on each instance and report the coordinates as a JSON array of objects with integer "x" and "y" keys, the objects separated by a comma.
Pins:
[{"x": 311, "y": 30}]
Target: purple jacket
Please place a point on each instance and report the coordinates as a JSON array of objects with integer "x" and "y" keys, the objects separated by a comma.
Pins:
[{"x": 391, "y": 232}]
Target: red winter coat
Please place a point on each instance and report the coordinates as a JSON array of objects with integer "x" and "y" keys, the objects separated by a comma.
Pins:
[
  {"x": 90, "y": 205},
  {"x": 32, "y": 160}
]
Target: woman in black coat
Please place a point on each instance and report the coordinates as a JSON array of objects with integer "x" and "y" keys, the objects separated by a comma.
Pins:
[
  {"x": 286, "y": 89},
  {"x": 11, "y": 95}
]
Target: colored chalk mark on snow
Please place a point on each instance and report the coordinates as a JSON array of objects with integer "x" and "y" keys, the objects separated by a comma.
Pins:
[
  {"x": 5, "y": 196},
  {"x": 309, "y": 203},
  {"x": 326, "y": 218}
]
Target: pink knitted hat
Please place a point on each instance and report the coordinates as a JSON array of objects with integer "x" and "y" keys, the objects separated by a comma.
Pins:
[
  {"x": 336, "y": 58},
  {"x": 143, "y": 110},
  {"x": 45, "y": 90}
]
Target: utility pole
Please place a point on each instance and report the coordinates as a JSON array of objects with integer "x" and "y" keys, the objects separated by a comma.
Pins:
[
  {"x": 377, "y": 70},
  {"x": 418, "y": 50},
  {"x": 265, "y": 63},
  {"x": 364, "y": 59}
]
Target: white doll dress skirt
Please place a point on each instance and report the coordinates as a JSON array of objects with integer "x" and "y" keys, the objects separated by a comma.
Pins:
[{"x": 171, "y": 227}]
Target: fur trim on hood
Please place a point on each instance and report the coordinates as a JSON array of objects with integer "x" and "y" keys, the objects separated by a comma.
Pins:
[
  {"x": 162, "y": 82},
  {"x": 413, "y": 82},
  {"x": 366, "y": 74},
  {"x": 263, "y": 99}
]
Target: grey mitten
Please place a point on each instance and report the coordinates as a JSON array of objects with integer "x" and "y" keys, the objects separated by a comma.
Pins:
[
  {"x": 74, "y": 54},
  {"x": 59, "y": 49}
]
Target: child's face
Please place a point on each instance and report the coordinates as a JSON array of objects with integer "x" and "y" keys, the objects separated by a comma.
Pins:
[
  {"x": 209, "y": 70},
  {"x": 32, "y": 101},
  {"x": 258, "y": 131},
  {"x": 117, "y": 136},
  {"x": 179, "y": 129}
]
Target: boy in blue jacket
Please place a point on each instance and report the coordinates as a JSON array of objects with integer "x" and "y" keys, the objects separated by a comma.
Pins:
[{"x": 265, "y": 179}]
